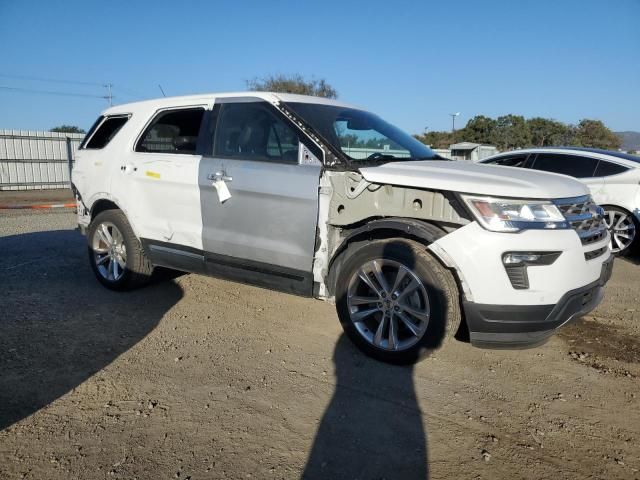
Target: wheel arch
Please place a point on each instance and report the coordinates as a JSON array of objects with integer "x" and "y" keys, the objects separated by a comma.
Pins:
[
  {"x": 103, "y": 202},
  {"x": 102, "y": 205},
  {"x": 379, "y": 229},
  {"x": 619, "y": 207}
]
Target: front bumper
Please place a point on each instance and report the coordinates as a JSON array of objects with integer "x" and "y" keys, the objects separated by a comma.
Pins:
[
  {"x": 497, "y": 313},
  {"x": 521, "y": 326}
]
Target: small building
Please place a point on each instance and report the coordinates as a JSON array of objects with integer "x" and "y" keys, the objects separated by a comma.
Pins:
[{"x": 471, "y": 151}]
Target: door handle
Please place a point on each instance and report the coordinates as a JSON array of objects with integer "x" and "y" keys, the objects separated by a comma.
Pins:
[
  {"x": 220, "y": 176},
  {"x": 128, "y": 168}
]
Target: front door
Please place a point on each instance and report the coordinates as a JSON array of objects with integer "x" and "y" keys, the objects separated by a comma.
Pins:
[{"x": 265, "y": 231}]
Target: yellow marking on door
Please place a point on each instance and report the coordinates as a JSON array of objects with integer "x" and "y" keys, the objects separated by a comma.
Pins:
[{"x": 151, "y": 174}]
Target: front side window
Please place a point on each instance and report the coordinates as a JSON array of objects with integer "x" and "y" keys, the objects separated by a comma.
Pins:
[
  {"x": 604, "y": 169},
  {"x": 361, "y": 136},
  {"x": 105, "y": 132},
  {"x": 172, "y": 131},
  {"x": 573, "y": 165},
  {"x": 510, "y": 161},
  {"x": 251, "y": 131}
]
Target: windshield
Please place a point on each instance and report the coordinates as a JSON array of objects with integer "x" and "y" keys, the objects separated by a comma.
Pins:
[{"x": 361, "y": 136}]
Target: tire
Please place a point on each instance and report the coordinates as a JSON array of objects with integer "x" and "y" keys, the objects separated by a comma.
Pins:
[
  {"x": 132, "y": 268},
  {"x": 422, "y": 308},
  {"x": 620, "y": 222}
]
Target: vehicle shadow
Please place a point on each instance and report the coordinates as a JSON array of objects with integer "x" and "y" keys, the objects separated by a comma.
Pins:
[
  {"x": 633, "y": 258},
  {"x": 373, "y": 426},
  {"x": 58, "y": 325}
]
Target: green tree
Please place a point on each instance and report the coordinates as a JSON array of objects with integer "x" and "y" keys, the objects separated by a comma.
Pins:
[
  {"x": 67, "y": 129},
  {"x": 511, "y": 132},
  {"x": 436, "y": 139},
  {"x": 479, "y": 129},
  {"x": 594, "y": 134},
  {"x": 546, "y": 132},
  {"x": 293, "y": 84}
]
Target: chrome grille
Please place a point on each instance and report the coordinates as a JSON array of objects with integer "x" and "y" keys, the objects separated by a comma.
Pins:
[{"x": 585, "y": 217}]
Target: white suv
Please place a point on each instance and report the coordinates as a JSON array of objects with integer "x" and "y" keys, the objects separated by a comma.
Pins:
[{"x": 318, "y": 198}]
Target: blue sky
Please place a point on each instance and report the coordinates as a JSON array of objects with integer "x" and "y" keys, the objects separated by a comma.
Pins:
[{"x": 411, "y": 62}]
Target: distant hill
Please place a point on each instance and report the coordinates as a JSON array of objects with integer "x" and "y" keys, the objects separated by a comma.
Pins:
[{"x": 630, "y": 140}]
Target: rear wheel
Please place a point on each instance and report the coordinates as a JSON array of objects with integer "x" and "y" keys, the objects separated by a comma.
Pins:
[
  {"x": 622, "y": 227},
  {"x": 395, "y": 301},
  {"x": 116, "y": 255}
]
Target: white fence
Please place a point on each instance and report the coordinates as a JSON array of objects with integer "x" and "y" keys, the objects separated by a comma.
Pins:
[{"x": 32, "y": 160}]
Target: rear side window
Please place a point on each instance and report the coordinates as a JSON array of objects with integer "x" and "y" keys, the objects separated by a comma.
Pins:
[
  {"x": 511, "y": 161},
  {"x": 605, "y": 169},
  {"x": 172, "y": 131},
  {"x": 573, "y": 165},
  {"x": 105, "y": 132}
]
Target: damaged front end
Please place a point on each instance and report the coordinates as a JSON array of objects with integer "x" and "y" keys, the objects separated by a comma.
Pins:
[{"x": 353, "y": 210}]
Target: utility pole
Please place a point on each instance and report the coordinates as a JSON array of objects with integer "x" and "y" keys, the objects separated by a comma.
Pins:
[
  {"x": 453, "y": 125},
  {"x": 109, "y": 94},
  {"x": 453, "y": 121}
]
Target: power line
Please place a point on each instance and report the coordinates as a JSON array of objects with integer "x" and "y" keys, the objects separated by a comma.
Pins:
[
  {"x": 130, "y": 93},
  {"x": 51, "y": 92},
  {"x": 50, "y": 80}
]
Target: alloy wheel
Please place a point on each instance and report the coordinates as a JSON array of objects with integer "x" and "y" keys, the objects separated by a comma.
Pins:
[
  {"x": 621, "y": 228},
  {"x": 109, "y": 251},
  {"x": 388, "y": 304}
]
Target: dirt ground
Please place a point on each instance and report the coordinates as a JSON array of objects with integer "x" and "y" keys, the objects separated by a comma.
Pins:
[
  {"x": 195, "y": 378},
  {"x": 29, "y": 197}
]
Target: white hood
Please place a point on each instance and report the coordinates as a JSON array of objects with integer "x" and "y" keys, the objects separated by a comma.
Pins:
[{"x": 467, "y": 177}]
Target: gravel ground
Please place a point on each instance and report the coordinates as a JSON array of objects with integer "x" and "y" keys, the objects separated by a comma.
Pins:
[{"x": 195, "y": 377}]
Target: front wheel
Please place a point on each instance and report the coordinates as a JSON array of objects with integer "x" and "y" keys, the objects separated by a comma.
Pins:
[
  {"x": 116, "y": 255},
  {"x": 395, "y": 301}
]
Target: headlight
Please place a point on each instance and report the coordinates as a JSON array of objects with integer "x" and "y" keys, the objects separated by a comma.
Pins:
[{"x": 513, "y": 215}]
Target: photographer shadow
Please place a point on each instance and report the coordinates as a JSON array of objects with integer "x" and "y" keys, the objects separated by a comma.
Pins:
[{"x": 373, "y": 426}]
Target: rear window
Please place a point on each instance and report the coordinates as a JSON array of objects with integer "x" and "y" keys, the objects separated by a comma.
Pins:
[
  {"x": 605, "y": 169},
  {"x": 105, "y": 132},
  {"x": 172, "y": 131}
]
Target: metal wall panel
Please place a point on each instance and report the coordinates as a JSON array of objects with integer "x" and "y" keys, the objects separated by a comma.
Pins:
[{"x": 31, "y": 160}]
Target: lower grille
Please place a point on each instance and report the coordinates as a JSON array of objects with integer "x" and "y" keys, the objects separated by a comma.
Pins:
[
  {"x": 595, "y": 253},
  {"x": 518, "y": 276}
]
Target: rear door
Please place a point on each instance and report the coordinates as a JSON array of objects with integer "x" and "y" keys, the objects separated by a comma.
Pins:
[
  {"x": 621, "y": 190},
  {"x": 160, "y": 178},
  {"x": 265, "y": 231}
]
